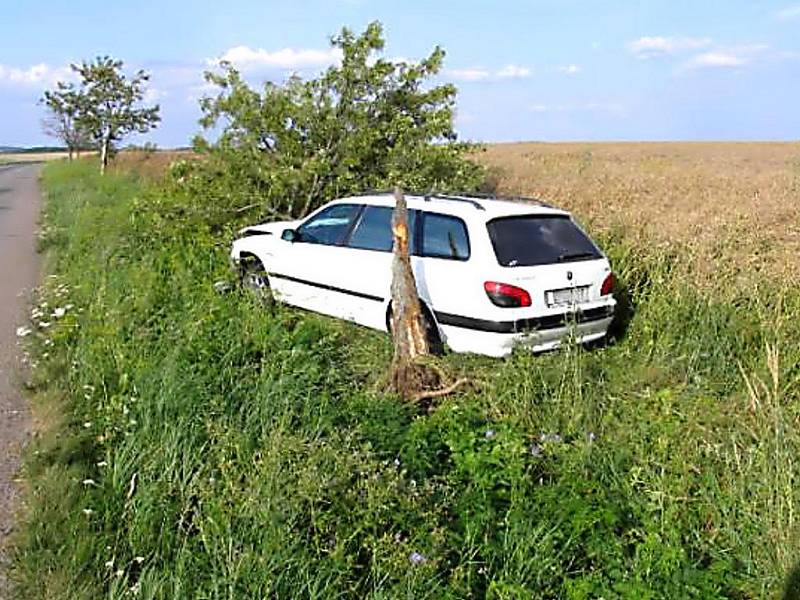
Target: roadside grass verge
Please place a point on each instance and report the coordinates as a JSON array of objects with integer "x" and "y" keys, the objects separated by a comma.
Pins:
[{"x": 197, "y": 446}]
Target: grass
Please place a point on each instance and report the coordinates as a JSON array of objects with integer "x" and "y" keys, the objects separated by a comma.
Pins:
[{"x": 195, "y": 446}]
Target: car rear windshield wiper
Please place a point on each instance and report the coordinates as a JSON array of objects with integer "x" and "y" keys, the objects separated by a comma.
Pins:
[{"x": 575, "y": 256}]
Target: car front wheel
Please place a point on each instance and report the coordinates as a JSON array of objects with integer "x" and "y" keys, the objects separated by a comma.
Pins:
[{"x": 255, "y": 281}]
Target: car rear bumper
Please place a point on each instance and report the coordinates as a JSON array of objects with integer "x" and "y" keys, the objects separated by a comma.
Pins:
[{"x": 538, "y": 334}]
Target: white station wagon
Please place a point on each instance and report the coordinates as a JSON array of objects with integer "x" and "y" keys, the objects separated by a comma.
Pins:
[{"x": 490, "y": 273}]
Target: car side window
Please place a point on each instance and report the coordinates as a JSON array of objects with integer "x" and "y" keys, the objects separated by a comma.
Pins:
[
  {"x": 444, "y": 236},
  {"x": 330, "y": 226},
  {"x": 374, "y": 229}
]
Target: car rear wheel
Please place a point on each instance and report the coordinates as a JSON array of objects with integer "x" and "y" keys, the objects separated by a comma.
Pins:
[{"x": 255, "y": 280}]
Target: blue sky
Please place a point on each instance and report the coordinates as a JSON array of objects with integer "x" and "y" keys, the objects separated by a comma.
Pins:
[{"x": 526, "y": 70}]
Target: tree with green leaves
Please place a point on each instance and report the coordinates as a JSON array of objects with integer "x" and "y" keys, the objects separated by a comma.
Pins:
[
  {"x": 365, "y": 123},
  {"x": 109, "y": 105},
  {"x": 63, "y": 107}
]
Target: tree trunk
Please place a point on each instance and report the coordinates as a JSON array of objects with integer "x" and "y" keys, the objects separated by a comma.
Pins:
[
  {"x": 408, "y": 376},
  {"x": 104, "y": 154},
  {"x": 71, "y": 151}
]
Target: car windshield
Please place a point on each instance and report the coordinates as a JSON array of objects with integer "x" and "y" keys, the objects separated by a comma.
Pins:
[{"x": 539, "y": 240}]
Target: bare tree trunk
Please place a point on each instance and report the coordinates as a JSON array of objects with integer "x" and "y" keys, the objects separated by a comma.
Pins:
[
  {"x": 408, "y": 377},
  {"x": 71, "y": 152},
  {"x": 104, "y": 153}
]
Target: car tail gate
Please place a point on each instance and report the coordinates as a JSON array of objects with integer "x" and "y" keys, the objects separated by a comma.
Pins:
[{"x": 559, "y": 285}]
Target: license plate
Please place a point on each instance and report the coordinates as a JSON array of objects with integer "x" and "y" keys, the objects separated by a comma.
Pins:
[{"x": 567, "y": 296}]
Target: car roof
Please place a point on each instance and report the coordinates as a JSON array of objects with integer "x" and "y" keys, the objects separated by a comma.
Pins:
[{"x": 472, "y": 207}]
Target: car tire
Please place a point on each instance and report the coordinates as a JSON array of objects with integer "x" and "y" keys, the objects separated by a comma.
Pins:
[{"x": 255, "y": 281}]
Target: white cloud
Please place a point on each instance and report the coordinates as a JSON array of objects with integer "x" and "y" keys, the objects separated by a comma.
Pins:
[
  {"x": 716, "y": 59},
  {"x": 153, "y": 95},
  {"x": 607, "y": 107},
  {"x": 202, "y": 90},
  {"x": 474, "y": 74},
  {"x": 510, "y": 71},
  {"x": 790, "y": 13},
  {"x": 514, "y": 72},
  {"x": 38, "y": 76},
  {"x": 656, "y": 46},
  {"x": 570, "y": 69},
  {"x": 253, "y": 59},
  {"x": 732, "y": 57}
]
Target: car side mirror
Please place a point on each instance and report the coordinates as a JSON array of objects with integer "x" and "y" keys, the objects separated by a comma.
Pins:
[{"x": 289, "y": 235}]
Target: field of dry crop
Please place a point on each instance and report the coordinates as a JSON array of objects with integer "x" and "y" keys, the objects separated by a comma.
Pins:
[
  {"x": 728, "y": 209},
  {"x": 31, "y": 157}
]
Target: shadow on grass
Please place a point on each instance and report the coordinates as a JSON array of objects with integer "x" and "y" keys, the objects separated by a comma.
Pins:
[
  {"x": 623, "y": 314},
  {"x": 791, "y": 590}
]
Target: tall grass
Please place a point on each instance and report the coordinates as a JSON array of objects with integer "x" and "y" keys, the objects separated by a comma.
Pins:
[{"x": 196, "y": 446}]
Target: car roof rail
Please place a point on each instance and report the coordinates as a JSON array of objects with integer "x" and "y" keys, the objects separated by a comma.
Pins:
[
  {"x": 468, "y": 200},
  {"x": 426, "y": 196},
  {"x": 511, "y": 198},
  {"x": 468, "y": 197}
]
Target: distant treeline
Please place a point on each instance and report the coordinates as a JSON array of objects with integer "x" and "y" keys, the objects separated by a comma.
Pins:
[
  {"x": 42, "y": 149},
  {"x": 31, "y": 150}
]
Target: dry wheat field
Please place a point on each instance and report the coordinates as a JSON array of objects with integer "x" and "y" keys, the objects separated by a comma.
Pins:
[{"x": 729, "y": 210}]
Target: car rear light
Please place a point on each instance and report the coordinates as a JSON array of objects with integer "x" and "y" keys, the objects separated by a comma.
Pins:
[
  {"x": 505, "y": 295},
  {"x": 608, "y": 285}
]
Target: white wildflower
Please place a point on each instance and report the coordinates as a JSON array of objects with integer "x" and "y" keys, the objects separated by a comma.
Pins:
[
  {"x": 88, "y": 511},
  {"x": 44, "y": 324},
  {"x": 23, "y": 331},
  {"x": 102, "y": 464},
  {"x": 88, "y": 482},
  {"x": 59, "y": 312}
]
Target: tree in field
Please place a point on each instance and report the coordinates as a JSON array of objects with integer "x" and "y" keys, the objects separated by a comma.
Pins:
[
  {"x": 365, "y": 123},
  {"x": 63, "y": 107},
  {"x": 109, "y": 104}
]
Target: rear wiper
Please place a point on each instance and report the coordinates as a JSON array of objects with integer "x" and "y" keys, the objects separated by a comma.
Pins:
[{"x": 575, "y": 256}]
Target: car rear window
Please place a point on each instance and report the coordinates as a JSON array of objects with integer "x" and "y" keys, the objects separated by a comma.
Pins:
[
  {"x": 539, "y": 240},
  {"x": 444, "y": 236}
]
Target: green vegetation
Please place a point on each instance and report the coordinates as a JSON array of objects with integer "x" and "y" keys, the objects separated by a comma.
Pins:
[
  {"x": 101, "y": 110},
  {"x": 365, "y": 124},
  {"x": 197, "y": 446}
]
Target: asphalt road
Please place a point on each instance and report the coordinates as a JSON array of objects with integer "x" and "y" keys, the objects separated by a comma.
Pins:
[{"x": 19, "y": 269}]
